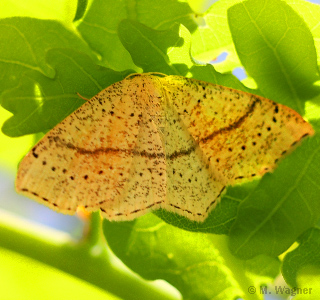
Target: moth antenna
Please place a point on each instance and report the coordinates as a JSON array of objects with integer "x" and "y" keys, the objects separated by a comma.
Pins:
[{"x": 82, "y": 97}]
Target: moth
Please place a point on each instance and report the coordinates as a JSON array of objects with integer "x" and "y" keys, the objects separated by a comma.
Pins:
[{"x": 151, "y": 141}]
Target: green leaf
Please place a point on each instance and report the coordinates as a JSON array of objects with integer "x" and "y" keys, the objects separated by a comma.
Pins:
[
  {"x": 157, "y": 51},
  {"x": 24, "y": 43},
  {"x": 99, "y": 26},
  {"x": 81, "y": 8},
  {"x": 283, "y": 205},
  {"x": 220, "y": 219},
  {"x": 308, "y": 281},
  {"x": 168, "y": 52},
  {"x": 310, "y": 12},
  {"x": 276, "y": 48},
  {"x": 162, "y": 14},
  {"x": 99, "y": 29},
  {"x": 62, "y": 10},
  {"x": 198, "y": 265},
  {"x": 39, "y": 103},
  {"x": 213, "y": 36},
  {"x": 209, "y": 74},
  {"x": 306, "y": 255},
  {"x": 210, "y": 31}
]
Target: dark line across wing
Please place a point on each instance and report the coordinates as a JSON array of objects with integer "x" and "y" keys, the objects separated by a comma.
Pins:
[
  {"x": 144, "y": 153},
  {"x": 81, "y": 150},
  {"x": 234, "y": 125}
]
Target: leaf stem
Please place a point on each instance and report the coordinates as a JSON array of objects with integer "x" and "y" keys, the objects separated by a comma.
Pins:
[{"x": 92, "y": 262}]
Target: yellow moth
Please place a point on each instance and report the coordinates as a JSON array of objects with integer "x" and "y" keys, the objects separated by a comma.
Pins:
[{"x": 150, "y": 142}]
